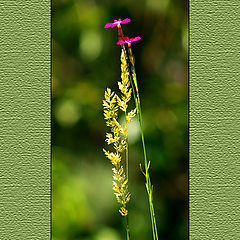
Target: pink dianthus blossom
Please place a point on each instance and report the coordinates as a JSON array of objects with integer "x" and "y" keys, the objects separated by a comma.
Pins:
[
  {"x": 117, "y": 22},
  {"x": 128, "y": 41}
]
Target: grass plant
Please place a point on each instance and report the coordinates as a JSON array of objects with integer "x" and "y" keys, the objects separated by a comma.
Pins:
[
  {"x": 119, "y": 134},
  {"x": 118, "y": 137}
]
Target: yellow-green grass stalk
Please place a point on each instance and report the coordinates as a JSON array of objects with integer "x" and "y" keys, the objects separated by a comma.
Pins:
[
  {"x": 133, "y": 80},
  {"x": 119, "y": 136},
  {"x": 146, "y": 173}
]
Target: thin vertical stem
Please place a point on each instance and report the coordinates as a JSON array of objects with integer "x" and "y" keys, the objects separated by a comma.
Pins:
[
  {"x": 126, "y": 146},
  {"x": 127, "y": 228},
  {"x": 146, "y": 162}
]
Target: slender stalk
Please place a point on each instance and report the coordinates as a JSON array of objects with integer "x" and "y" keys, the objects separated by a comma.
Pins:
[
  {"x": 126, "y": 138},
  {"x": 126, "y": 217},
  {"x": 146, "y": 162},
  {"x": 127, "y": 228},
  {"x": 126, "y": 147}
]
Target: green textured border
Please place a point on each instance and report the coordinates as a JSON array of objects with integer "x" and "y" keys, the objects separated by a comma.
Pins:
[
  {"x": 214, "y": 119},
  {"x": 25, "y": 119}
]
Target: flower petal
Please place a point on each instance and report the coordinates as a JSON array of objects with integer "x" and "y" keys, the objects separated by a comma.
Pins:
[
  {"x": 108, "y": 25},
  {"x": 126, "y": 20},
  {"x": 117, "y": 22},
  {"x": 136, "y": 39},
  {"x": 120, "y": 42}
]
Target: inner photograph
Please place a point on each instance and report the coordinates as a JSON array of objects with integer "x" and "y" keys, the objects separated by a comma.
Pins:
[{"x": 119, "y": 120}]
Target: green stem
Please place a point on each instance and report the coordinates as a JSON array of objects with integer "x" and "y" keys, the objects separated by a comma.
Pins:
[
  {"x": 126, "y": 147},
  {"x": 146, "y": 162},
  {"x": 127, "y": 228}
]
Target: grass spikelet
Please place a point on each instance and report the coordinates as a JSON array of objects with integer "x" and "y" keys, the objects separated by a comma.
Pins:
[
  {"x": 124, "y": 85},
  {"x": 118, "y": 137},
  {"x": 120, "y": 183}
]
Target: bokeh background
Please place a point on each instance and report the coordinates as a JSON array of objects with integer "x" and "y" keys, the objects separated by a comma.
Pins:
[{"x": 86, "y": 60}]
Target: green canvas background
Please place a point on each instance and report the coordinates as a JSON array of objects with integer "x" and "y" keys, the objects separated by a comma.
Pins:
[
  {"x": 214, "y": 119},
  {"x": 25, "y": 120}
]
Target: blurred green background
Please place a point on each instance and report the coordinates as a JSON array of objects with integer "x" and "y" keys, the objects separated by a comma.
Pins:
[{"x": 86, "y": 60}]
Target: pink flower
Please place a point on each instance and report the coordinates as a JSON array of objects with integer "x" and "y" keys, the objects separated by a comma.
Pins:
[
  {"x": 117, "y": 22},
  {"x": 128, "y": 41}
]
